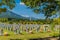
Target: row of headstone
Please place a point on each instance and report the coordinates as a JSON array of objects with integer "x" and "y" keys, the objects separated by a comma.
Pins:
[
  {"x": 11, "y": 27},
  {"x": 17, "y": 28},
  {"x": 30, "y": 27}
]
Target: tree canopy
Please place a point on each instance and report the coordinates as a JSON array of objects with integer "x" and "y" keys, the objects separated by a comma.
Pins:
[
  {"x": 48, "y": 7},
  {"x": 6, "y": 3}
]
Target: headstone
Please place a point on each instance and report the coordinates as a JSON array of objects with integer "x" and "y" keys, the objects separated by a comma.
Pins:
[
  {"x": 46, "y": 27},
  {"x": 57, "y": 27},
  {"x": 18, "y": 29},
  {"x": 1, "y": 31},
  {"x": 27, "y": 28},
  {"x": 37, "y": 28},
  {"x": 14, "y": 29}
]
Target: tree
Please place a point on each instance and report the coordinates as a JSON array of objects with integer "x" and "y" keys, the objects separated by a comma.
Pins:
[
  {"x": 56, "y": 21},
  {"x": 8, "y": 3},
  {"x": 48, "y": 7}
]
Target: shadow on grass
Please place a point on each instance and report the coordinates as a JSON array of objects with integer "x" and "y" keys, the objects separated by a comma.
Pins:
[{"x": 48, "y": 38}]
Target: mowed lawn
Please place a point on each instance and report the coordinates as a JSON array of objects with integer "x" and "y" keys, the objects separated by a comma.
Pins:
[{"x": 27, "y": 36}]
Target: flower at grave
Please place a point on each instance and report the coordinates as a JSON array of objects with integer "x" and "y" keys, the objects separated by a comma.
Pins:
[
  {"x": 6, "y": 34},
  {"x": 48, "y": 31},
  {"x": 41, "y": 30},
  {"x": 30, "y": 32}
]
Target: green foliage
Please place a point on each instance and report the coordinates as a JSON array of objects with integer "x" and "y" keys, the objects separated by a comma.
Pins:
[
  {"x": 49, "y": 9},
  {"x": 56, "y": 21},
  {"x": 8, "y": 3}
]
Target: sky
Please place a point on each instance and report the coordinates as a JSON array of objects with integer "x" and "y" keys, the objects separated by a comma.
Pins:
[{"x": 23, "y": 10}]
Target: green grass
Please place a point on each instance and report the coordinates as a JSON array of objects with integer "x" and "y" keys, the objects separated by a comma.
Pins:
[{"x": 27, "y": 36}]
